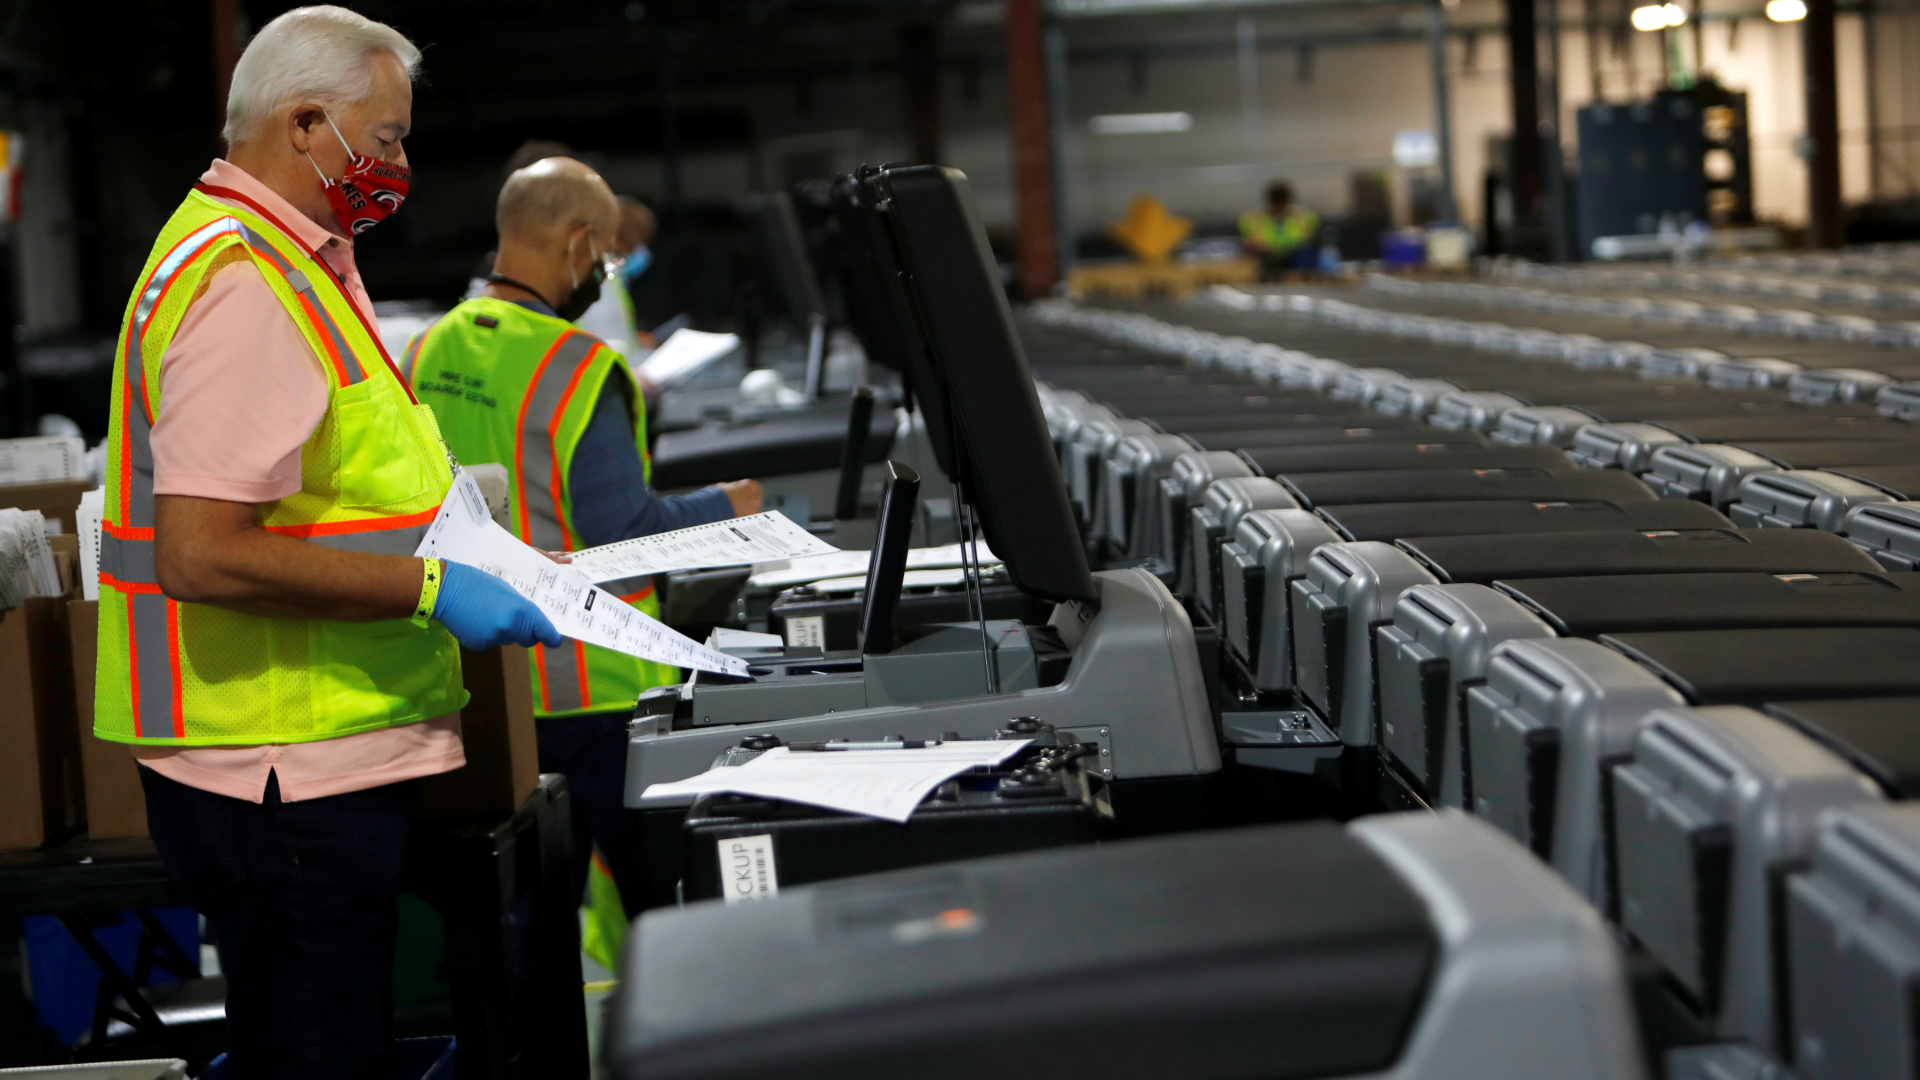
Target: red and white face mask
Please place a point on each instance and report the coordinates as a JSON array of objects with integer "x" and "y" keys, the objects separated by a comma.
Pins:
[{"x": 371, "y": 190}]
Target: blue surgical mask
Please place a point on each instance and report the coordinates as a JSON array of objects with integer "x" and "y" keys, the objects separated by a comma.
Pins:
[{"x": 637, "y": 262}]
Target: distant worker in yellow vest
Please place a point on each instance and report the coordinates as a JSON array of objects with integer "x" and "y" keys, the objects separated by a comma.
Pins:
[
  {"x": 513, "y": 381},
  {"x": 282, "y": 666},
  {"x": 1284, "y": 236}
]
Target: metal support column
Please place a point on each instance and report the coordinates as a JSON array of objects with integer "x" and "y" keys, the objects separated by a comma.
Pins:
[
  {"x": 1442, "y": 106},
  {"x": 1823, "y": 127},
  {"x": 1063, "y": 244},
  {"x": 1524, "y": 172},
  {"x": 1032, "y": 151}
]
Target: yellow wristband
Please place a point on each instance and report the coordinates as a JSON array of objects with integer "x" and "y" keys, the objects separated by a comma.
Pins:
[{"x": 429, "y": 591}]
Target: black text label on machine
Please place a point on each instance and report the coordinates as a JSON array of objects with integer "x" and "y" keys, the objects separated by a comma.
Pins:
[{"x": 746, "y": 868}]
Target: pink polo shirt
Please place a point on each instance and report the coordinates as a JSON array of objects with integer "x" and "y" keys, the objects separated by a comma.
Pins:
[{"x": 240, "y": 393}]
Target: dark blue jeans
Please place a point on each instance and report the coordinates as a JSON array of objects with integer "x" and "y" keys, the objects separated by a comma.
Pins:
[
  {"x": 591, "y": 752},
  {"x": 303, "y": 900}
]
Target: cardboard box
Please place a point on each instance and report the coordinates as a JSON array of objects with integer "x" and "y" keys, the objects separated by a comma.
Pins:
[
  {"x": 116, "y": 804},
  {"x": 40, "y": 789},
  {"x": 503, "y": 756},
  {"x": 56, "y": 500}
]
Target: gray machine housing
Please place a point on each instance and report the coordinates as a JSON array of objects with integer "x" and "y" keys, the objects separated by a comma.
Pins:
[
  {"x": 1888, "y": 531},
  {"x": 1439, "y": 639},
  {"x": 1472, "y": 410},
  {"x": 1181, "y": 489},
  {"x": 1270, "y": 549},
  {"x": 1215, "y": 519},
  {"x": 1134, "y": 687},
  {"x": 1526, "y": 979},
  {"x": 1540, "y": 425},
  {"x": 1853, "y": 941},
  {"x": 1552, "y": 716},
  {"x": 1799, "y": 499},
  {"x": 1620, "y": 446},
  {"x": 1126, "y": 478},
  {"x": 1715, "y": 803},
  {"x": 1706, "y": 472},
  {"x": 1349, "y": 589}
]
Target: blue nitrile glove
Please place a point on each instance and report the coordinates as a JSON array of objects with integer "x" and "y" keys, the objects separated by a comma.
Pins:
[{"x": 482, "y": 611}]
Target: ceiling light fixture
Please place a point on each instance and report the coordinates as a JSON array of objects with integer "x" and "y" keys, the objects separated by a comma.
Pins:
[{"x": 1146, "y": 123}]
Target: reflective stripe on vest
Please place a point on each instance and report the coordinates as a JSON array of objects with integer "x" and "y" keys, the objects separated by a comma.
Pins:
[{"x": 554, "y": 382}]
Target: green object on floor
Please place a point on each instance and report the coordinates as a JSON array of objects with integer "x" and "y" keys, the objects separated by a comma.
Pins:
[{"x": 604, "y": 929}]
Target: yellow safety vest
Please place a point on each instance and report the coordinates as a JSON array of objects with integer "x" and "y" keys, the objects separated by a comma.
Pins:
[
  {"x": 1279, "y": 236},
  {"x": 514, "y": 386},
  {"x": 372, "y": 475}
]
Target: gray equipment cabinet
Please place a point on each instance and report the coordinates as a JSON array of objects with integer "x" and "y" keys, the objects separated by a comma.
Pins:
[
  {"x": 1213, "y": 521},
  {"x": 1417, "y": 947},
  {"x": 1889, "y": 531},
  {"x": 1799, "y": 499},
  {"x": 1714, "y": 805},
  {"x": 1269, "y": 551},
  {"x": 1853, "y": 947},
  {"x": 1349, "y": 589},
  {"x": 1439, "y": 640},
  {"x": 1541, "y": 732}
]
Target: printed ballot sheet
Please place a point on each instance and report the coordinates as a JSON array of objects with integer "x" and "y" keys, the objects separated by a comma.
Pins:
[
  {"x": 464, "y": 532},
  {"x": 761, "y": 537},
  {"x": 886, "y": 784}
]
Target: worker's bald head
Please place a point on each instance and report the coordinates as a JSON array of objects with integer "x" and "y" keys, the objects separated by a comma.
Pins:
[{"x": 551, "y": 198}]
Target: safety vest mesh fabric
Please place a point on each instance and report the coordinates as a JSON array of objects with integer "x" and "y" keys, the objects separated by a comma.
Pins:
[
  {"x": 514, "y": 386},
  {"x": 373, "y": 473},
  {"x": 1279, "y": 236}
]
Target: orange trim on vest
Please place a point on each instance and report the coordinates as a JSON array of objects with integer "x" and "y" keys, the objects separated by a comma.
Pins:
[
  {"x": 580, "y": 669},
  {"x": 341, "y": 528},
  {"x": 128, "y": 587},
  {"x": 372, "y": 332},
  {"x": 540, "y": 664},
  {"x": 126, "y": 532},
  {"x": 636, "y": 597},
  {"x": 520, "y": 437}
]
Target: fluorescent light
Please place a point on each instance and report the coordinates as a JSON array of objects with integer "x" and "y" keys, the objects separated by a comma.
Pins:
[
  {"x": 1143, "y": 123},
  {"x": 1415, "y": 149},
  {"x": 1658, "y": 16},
  {"x": 1786, "y": 10}
]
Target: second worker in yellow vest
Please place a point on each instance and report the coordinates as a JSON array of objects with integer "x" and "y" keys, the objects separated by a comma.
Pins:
[{"x": 512, "y": 380}]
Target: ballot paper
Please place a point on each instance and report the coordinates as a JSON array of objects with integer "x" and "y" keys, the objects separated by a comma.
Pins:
[
  {"x": 756, "y": 538},
  {"x": 886, "y": 784},
  {"x": 42, "y": 460},
  {"x": 93, "y": 505},
  {"x": 683, "y": 355},
  {"x": 26, "y": 559},
  {"x": 464, "y": 532},
  {"x": 780, "y": 575}
]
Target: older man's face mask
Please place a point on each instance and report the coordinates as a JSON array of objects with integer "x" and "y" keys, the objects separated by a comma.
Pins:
[{"x": 368, "y": 193}]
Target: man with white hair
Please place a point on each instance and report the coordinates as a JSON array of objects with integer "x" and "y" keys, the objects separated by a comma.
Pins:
[{"x": 281, "y": 665}]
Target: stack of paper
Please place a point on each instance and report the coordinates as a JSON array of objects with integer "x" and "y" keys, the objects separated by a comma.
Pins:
[
  {"x": 734, "y": 542},
  {"x": 26, "y": 560},
  {"x": 43, "y": 459},
  {"x": 886, "y": 784},
  {"x": 789, "y": 572},
  {"x": 93, "y": 505}
]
